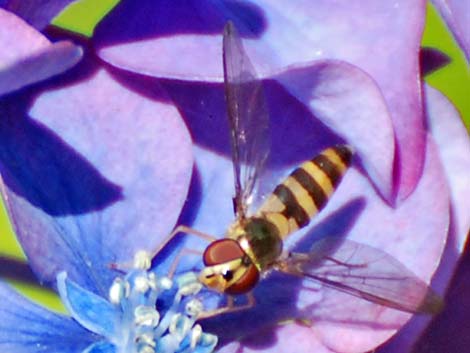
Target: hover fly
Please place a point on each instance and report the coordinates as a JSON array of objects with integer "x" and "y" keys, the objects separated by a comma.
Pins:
[{"x": 254, "y": 242}]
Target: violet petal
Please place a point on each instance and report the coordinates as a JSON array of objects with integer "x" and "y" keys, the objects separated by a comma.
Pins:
[
  {"x": 93, "y": 172},
  {"x": 451, "y": 136},
  {"x": 382, "y": 38},
  {"x": 350, "y": 103},
  {"x": 337, "y": 93},
  {"x": 30, "y": 57},
  {"x": 441, "y": 335},
  {"x": 417, "y": 242},
  {"x": 355, "y": 211},
  {"x": 28, "y": 328},
  {"x": 38, "y": 13},
  {"x": 456, "y": 13},
  {"x": 203, "y": 108}
]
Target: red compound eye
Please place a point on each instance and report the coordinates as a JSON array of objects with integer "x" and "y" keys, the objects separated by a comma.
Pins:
[
  {"x": 225, "y": 250},
  {"x": 246, "y": 283},
  {"x": 221, "y": 251}
]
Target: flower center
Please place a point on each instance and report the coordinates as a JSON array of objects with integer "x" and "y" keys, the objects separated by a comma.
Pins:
[{"x": 145, "y": 329}]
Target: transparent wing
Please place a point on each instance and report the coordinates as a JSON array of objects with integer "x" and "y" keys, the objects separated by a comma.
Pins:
[
  {"x": 248, "y": 119},
  {"x": 365, "y": 272}
]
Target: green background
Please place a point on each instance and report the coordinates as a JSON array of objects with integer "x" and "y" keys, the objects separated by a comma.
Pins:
[{"x": 81, "y": 17}]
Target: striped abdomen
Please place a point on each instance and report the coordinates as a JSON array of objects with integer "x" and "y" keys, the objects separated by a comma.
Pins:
[{"x": 306, "y": 190}]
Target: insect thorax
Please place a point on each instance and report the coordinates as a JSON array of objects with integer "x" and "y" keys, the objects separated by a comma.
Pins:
[{"x": 259, "y": 238}]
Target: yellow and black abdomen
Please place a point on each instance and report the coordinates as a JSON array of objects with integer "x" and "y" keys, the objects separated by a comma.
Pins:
[{"x": 306, "y": 190}]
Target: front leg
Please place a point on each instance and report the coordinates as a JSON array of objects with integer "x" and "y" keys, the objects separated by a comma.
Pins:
[
  {"x": 184, "y": 230},
  {"x": 143, "y": 259},
  {"x": 230, "y": 307}
]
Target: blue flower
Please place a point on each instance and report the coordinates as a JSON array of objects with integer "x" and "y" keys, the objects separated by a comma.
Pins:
[
  {"x": 131, "y": 321},
  {"x": 97, "y": 165},
  {"x": 128, "y": 322}
]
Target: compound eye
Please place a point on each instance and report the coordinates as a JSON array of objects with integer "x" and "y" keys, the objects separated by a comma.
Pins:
[
  {"x": 221, "y": 251},
  {"x": 246, "y": 283},
  {"x": 225, "y": 250}
]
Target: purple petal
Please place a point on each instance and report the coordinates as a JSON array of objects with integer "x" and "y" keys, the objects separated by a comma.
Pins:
[
  {"x": 38, "y": 13},
  {"x": 355, "y": 210},
  {"x": 203, "y": 107},
  {"x": 454, "y": 149},
  {"x": 450, "y": 332},
  {"x": 456, "y": 13},
  {"x": 90, "y": 310},
  {"x": 28, "y": 328},
  {"x": 30, "y": 56},
  {"x": 350, "y": 103},
  {"x": 93, "y": 172},
  {"x": 382, "y": 38},
  {"x": 416, "y": 241},
  {"x": 451, "y": 136}
]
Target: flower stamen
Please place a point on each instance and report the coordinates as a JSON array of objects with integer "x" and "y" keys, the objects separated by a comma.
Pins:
[{"x": 144, "y": 328}]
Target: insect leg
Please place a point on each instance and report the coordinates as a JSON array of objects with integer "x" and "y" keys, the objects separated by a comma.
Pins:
[
  {"x": 185, "y": 230},
  {"x": 177, "y": 259},
  {"x": 230, "y": 307},
  {"x": 124, "y": 267}
]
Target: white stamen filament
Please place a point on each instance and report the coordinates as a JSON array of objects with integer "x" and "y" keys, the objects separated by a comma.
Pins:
[
  {"x": 196, "y": 334},
  {"x": 142, "y": 260},
  {"x": 146, "y": 316},
  {"x": 142, "y": 325}
]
